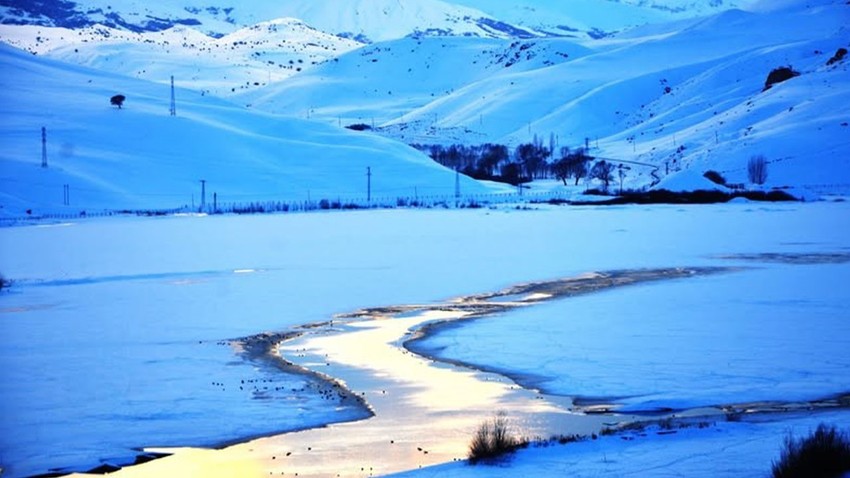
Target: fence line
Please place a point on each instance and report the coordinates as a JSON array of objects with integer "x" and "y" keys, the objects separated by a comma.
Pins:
[{"x": 307, "y": 205}]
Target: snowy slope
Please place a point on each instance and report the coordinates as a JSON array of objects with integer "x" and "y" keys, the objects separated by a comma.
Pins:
[
  {"x": 599, "y": 16},
  {"x": 372, "y": 20},
  {"x": 382, "y": 82},
  {"x": 714, "y": 115},
  {"x": 140, "y": 157},
  {"x": 247, "y": 58}
]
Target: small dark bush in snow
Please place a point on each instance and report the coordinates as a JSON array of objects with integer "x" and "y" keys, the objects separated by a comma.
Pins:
[
  {"x": 117, "y": 100},
  {"x": 823, "y": 454},
  {"x": 839, "y": 55},
  {"x": 359, "y": 127},
  {"x": 778, "y": 75},
  {"x": 715, "y": 177},
  {"x": 493, "y": 440}
]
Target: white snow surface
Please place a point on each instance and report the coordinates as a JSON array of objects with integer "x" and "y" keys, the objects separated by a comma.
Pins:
[
  {"x": 140, "y": 157},
  {"x": 605, "y": 15},
  {"x": 247, "y": 58},
  {"x": 111, "y": 324},
  {"x": 682, "y": 95},
  {"x": 373, "y": 20},
  {"x": 678, "y": 96},
  {"x": 722, "y": 450},
  {"x": 741, "y": 337}
]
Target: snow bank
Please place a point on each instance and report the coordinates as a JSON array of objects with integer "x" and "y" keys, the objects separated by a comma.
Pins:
[{"x": 721, "y": 450}]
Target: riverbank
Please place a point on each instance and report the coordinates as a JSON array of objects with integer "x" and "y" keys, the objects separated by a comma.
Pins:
[
  {"x": 160, "y": 293},
  {"x": 426, "y": 407}
]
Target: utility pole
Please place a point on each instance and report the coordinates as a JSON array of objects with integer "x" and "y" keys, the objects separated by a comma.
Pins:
[
  {"x": 173, "y": 109},
  {"x": 203, "y": 193},
  {"x": 369, "y": 184},
  {"x": 66, "y": 194},
  {"x": 457, "y": 183},
  {"x": 43, "y": 147}
]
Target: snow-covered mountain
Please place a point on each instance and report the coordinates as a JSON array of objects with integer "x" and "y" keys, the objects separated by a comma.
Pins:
[
  {"x": 369, "y": 20},
  {"x": 683, "y": 96},
  {"x": 140, "y": 157},
  {"x": 364, "y": 20},
  {"x": 247, "y": 58},
  {"x": 380, "y": 83},
  {"x": 597, "y": 16},
  {"x": 680, "y": 96}
]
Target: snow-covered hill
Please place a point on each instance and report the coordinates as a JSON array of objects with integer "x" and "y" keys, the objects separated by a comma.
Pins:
[
  {"x": 597, "y": 16},
  {"x": 379, "y": 83},
  {"x": 247, "y": 58},
  {"x": 140, "y": 157},
  {"x": 683, "y": 95},
  {"x": 367, "y": 20},
  {"x": 678, "y": 96}
]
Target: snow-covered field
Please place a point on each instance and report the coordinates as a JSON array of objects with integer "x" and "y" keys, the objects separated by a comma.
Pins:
[{"x": 111, "y": 325}]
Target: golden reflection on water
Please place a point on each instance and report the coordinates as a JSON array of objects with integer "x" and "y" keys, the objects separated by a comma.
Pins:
[{"x": 425, "y": 411}]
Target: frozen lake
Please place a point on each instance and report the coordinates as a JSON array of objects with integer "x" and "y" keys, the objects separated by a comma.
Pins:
[{"x": 116, "y": 330}]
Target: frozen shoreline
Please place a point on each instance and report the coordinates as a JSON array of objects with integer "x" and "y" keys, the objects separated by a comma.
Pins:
[
  {"x": 150, "y": 358},
  {"x": 356, "y": 374}
]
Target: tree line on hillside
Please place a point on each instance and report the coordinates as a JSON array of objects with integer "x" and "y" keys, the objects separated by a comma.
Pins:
[{"x": 527, "y": 162}]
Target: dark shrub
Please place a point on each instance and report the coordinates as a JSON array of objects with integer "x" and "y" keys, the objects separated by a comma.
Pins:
[
  {"x": 492, "y": 440},
  {"x": 772, "y": 196},
  {"x": 715, "y": 177},
  {"x": 778, "y": 75},
  {"x": 117, "y": 100},
  {"x": 839, "y": 55},
  {"x": 359, "y": 127},
  {"x": 823, "y": 454},
  {"x": 700, "y": 196},
  {"x": 4, "y": 283}
]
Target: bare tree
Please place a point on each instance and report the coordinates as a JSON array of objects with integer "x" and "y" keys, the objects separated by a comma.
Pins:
[
  {"x": 603, "y": 171},
  {"x": 757, "y": 169},
  {"x": 621, "y": 172},
  {"x": 572, "y": 164}
]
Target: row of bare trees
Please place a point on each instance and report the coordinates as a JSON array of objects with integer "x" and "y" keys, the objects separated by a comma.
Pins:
[{"x": 527, "y": 162}]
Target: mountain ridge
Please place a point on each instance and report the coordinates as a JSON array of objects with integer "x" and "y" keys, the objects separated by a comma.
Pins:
[{"x": 365, "y": 21}]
